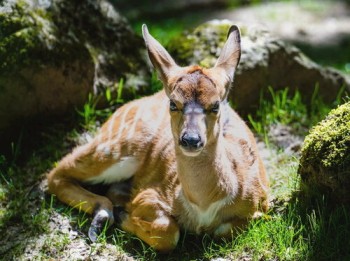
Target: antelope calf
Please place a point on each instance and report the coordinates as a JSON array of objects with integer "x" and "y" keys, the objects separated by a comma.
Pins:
[{"x": 191, "y": 161}]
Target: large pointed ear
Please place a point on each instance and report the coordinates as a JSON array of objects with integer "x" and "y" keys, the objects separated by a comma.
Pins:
[
  {"x": 231, "y": 53},
  {"x": 160, "y": 58}
]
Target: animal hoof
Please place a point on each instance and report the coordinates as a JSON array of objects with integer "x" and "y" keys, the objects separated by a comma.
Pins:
[
  {"x": 103, "y": 218},
  {"x": 93, "y": 233}
]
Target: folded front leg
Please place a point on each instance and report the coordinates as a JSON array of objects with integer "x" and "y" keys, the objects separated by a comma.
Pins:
[{"x": 149, "y": 219}]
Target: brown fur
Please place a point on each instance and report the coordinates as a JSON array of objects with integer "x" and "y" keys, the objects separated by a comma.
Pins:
[{"x": 216, "y": 191}]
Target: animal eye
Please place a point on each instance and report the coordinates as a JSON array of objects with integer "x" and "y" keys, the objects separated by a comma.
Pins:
[
  {"x": 173, "y": 106},
  {"x": 216, "y": 107}
]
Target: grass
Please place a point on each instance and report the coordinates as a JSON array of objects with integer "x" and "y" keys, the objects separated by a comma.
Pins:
[
  {"x": 292, "y": 230},
  {"x": 90, "y": 113},
  {"x": 170, "y": 28},
  {"x": 32, "y": 221},
  {"x": 287, "y": 108}
]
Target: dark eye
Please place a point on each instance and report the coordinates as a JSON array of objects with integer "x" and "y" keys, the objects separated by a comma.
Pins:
[
  {"x": 173, "y": 106},
  {"x": 215, "y": 107}
]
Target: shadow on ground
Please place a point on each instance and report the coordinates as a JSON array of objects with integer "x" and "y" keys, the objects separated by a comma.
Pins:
[{"x": 326, "y": 227}]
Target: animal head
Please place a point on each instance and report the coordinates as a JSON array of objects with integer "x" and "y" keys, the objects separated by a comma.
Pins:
[{"x": 195, "y": 93}]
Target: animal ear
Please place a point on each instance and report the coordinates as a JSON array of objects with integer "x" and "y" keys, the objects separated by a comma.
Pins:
[
  {"x": 231, "y": 53},
  {"x": 160, "y": 58}
]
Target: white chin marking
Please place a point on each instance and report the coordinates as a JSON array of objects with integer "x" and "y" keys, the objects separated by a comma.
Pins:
[{"x": 191, "y": 153}]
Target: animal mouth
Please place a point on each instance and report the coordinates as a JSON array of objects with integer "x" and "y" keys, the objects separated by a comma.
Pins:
[{"x": 191, "y": 151}]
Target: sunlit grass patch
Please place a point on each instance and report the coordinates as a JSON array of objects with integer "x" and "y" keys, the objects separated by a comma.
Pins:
[
  {"x": 276, "y": 237},
  {"x": 289, "y": 108}
]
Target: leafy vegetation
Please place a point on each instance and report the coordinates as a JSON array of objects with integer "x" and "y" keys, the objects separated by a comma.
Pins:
[
  {"x": 288, "y": 108},
  {"x": 170, "y": 27},
  {"x": 91, "y": 113}
]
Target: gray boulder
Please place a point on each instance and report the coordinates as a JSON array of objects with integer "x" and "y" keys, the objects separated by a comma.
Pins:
[
  {"x": 265, "y": 61},
  {"x": 54, "y": 53}
]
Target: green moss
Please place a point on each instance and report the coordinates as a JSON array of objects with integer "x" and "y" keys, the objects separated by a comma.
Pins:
[
  {"x": 200, "y": 46},
  {"x": 325, "y": 158},
  {"x": 182, "y": 47},
  {"x": 28, "y": 38},
  {"x": 328, "y": 144},
  {"x": 18, "y": 39}
]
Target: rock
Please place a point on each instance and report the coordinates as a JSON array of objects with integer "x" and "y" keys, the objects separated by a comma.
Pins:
[
  {"x": 265, "y": 61},
  {"x": 283, "y": 137},
  {"x": 325, "y": 157},
  {"x": 54, "y": 53},
  {"x": 116, "y": 51},
  {"x": 316, "y": 23}
]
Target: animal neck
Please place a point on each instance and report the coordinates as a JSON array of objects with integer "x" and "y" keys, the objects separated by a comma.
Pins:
[{"x": 207, "y": 177}]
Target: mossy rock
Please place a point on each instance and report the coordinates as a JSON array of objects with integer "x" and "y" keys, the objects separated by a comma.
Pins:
[
  {"x": 201, "y": 46},
  {"x": 54, "y": 53},
  {"x": 39, "y": 74},
  {"x": 325, "y": 158}
]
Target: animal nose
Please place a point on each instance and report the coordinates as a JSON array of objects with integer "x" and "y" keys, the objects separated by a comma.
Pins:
[{"x": 191, "y": 140}]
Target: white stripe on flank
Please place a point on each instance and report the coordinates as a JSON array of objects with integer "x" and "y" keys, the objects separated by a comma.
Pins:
[
  {"x": 136, "y": 119},
  {"x": 99, "y": 138},
  {"x": 122, "y": 124},
  {"x": 111, "y": 124},
  {"x": 106, "y": 147}
]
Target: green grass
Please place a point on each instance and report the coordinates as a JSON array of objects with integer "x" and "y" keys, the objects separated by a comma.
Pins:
[
  {"x": 292, "y": 230},
  {"x": 284, "y": 107},
  {"x": 91, "y": 114},
  {"x": 164, "y": 29}
]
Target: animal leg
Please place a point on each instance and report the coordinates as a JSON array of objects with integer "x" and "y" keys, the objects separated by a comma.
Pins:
[
  {"x": 149, "y": 220},
  {"x": 64, "y": 182}
]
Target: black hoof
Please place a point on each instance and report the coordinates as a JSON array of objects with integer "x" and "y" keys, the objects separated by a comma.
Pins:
[
  {"x": 93, "y": 233},
  {"x": 102, "y": 219}
]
